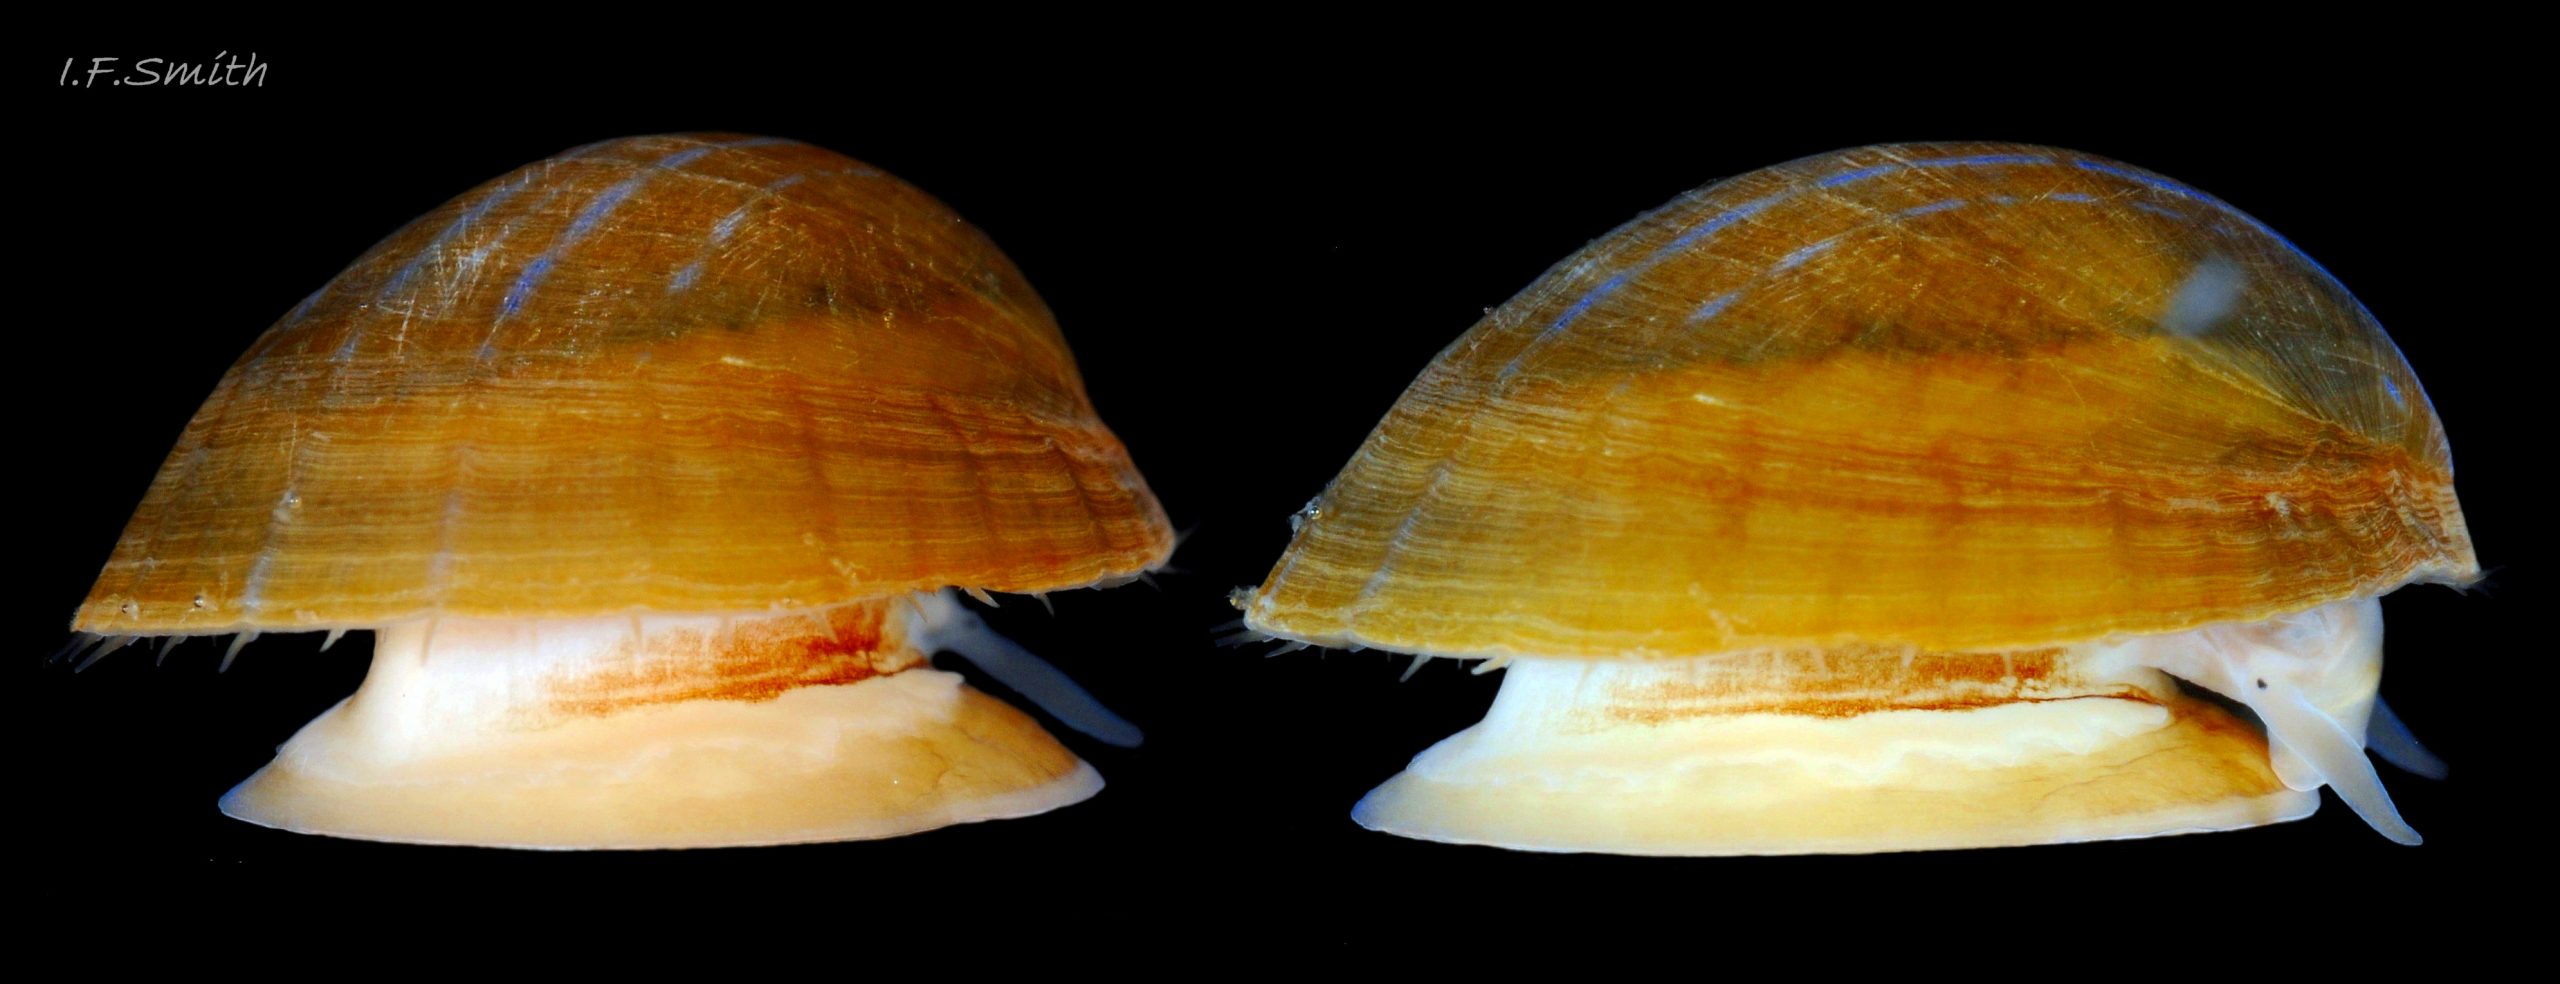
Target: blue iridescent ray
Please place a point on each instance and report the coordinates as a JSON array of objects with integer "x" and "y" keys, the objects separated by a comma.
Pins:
[
  {"x": 1610, "y": 286},
  {"x": 1714, "y": 306},
  {"x": 1976, "y": 160},
  {"x": 721, "y": 230},
  {"x": 1982, "y": 160},
  {"x": 1861, "y": 174},
  {"x": 594, "y": 215},
  {"x": 687, "y": 157},
  {"x": 401, "y": 278},
  {"x": 1801, "y": 254},
  {"x": 452, "y": 231}
]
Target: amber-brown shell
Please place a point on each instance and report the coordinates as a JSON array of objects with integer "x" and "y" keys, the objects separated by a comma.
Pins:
[
  {"x": 678, "y": 373},
  {"x": 1958, "y": 396}
]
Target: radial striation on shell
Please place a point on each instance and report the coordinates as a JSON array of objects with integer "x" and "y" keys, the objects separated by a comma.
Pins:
[
  {"x": 681, "y": 373},
  {"x": 1962, "y": 397}
]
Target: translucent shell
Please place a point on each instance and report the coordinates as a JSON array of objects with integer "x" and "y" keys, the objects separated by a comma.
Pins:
[
  {"x": 681, "y": 373},
  {"x": 1961, "y": 397}
]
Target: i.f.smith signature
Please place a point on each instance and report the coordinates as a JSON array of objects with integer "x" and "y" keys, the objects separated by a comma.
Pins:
[{"x": 225, "y": 69}]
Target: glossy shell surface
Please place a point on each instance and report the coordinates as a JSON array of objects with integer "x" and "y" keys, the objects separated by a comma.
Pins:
[
  {"x": 680, "y": 373},
  {"x": 1960, "y": 397}
]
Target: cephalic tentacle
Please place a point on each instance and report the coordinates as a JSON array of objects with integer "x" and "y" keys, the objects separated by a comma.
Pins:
[
  {"x": 2389, "y": 738},
  {"x": 2332, "y": 752},
  {"x": 2310, "y": 677},
  {"x": 949, "y": 627}
]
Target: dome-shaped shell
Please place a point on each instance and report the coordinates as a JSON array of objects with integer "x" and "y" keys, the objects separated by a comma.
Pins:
[
  {"x": 1960, "y": 396},
  {"x": 680, "y": 373}
]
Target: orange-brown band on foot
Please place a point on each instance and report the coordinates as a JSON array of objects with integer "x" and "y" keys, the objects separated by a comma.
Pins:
[{"x": 1563, "y": 764}]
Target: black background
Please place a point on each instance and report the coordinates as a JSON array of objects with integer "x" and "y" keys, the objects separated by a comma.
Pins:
[{"x": 1251, "y": 258}]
